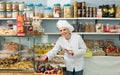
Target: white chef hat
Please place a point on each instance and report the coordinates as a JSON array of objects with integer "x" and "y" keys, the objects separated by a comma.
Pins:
[{"x": 64, "y": 23}]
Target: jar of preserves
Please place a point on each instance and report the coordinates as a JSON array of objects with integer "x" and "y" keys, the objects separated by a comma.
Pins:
[
  {"x": 9, "y": 14},
  {"x": 2, "y": 14},
  {"x": 21, "y": 6},
  {"x": 47, "y": 12},
  {"x": 2, "y": 6},
  {"x": 39, "y": 10},
  {"x": 15, "y": 6},
  {"x": 67, "y": 11},
  {"x": 57, "y": 10},
  {"x": 14, "y": 14},
  {"x": 8, "y": 6}
]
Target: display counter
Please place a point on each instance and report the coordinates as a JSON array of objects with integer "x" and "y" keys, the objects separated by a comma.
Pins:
[
  {"x": 96, "y": 65},
  {"x": 102, "y": 65}
]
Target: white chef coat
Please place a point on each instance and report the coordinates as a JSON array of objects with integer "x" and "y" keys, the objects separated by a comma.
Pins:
[{"x": 76, "y": 44}]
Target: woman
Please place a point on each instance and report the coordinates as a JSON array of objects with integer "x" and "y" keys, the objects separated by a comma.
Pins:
[{"x": 74, "y": 47}]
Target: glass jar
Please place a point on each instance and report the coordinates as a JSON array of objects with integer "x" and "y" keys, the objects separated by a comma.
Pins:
[
  {"x": 30, "y": 10},
  {"x": 67, "y": 11},
  {"x": 39, "y": 10},
  {"x": 10, "y": 24},
  {"x": 2, "y": 14},
  {"x": 8, "y": 6},
  {"x": 30, "y": 6},
  {"x": 47, "y": 12},
  {"x": 14, "y": 14},
  {"x": 21, "y": 6},
  {"x": 57, "y": 10},
  {"x": 15, "y": 6},
  {"x": 2, "y": 6},
  {"x": 9, "y": 14}
]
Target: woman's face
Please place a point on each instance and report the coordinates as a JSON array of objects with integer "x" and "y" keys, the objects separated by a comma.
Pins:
[{"x": 64, "y": 31}]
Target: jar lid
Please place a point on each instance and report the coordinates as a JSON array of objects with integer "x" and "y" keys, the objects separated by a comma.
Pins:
[
  {"x": 30, "y": 4},
  {"x": 39, "y": 4},
  {"x": 67, "y": 4},
  {"x": 48, "y": 8},
  {"x": 57, "y": 4}
]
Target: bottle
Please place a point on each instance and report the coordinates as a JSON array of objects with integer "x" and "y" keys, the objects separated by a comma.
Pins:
[{"x": 79, "y": 28}]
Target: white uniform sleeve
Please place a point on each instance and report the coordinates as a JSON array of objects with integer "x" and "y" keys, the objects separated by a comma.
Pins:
[
  {"x": 82, "y": 47},
  {"x": 53, "y": 51}
]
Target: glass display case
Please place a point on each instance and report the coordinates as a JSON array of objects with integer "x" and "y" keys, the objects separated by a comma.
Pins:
[{"x": 16, "y": 53}]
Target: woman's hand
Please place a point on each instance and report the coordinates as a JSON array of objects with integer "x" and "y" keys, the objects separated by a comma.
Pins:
[
  {"x": 70, "y": 52},
  {"x": 43, "y": 58}
]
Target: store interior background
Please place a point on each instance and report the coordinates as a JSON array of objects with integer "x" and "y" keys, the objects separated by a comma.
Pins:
[{"x": 50, "y": 26}]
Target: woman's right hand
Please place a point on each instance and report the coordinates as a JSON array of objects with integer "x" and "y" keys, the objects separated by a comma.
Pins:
[{"x": 43, "y": 58}]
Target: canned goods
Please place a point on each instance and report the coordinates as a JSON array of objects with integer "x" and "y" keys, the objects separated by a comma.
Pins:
[
  {"x": 83, "y": 5},
  {"x": 87, "y": 9},
  {"x": 90, "y": 9},
  {"x": 87, "y": 14},
  {"x": 91, "y": 14},
  {"x": 94, "y": 9},
  {"x": 79, "y": 12},
  {"x": 79, "y": 5},
  {"x": 9, "y": 6},
  {"x": 94, "y": 14},
  {"x": 2, "y": 6},
  {"x": 83, "y": 13}
]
